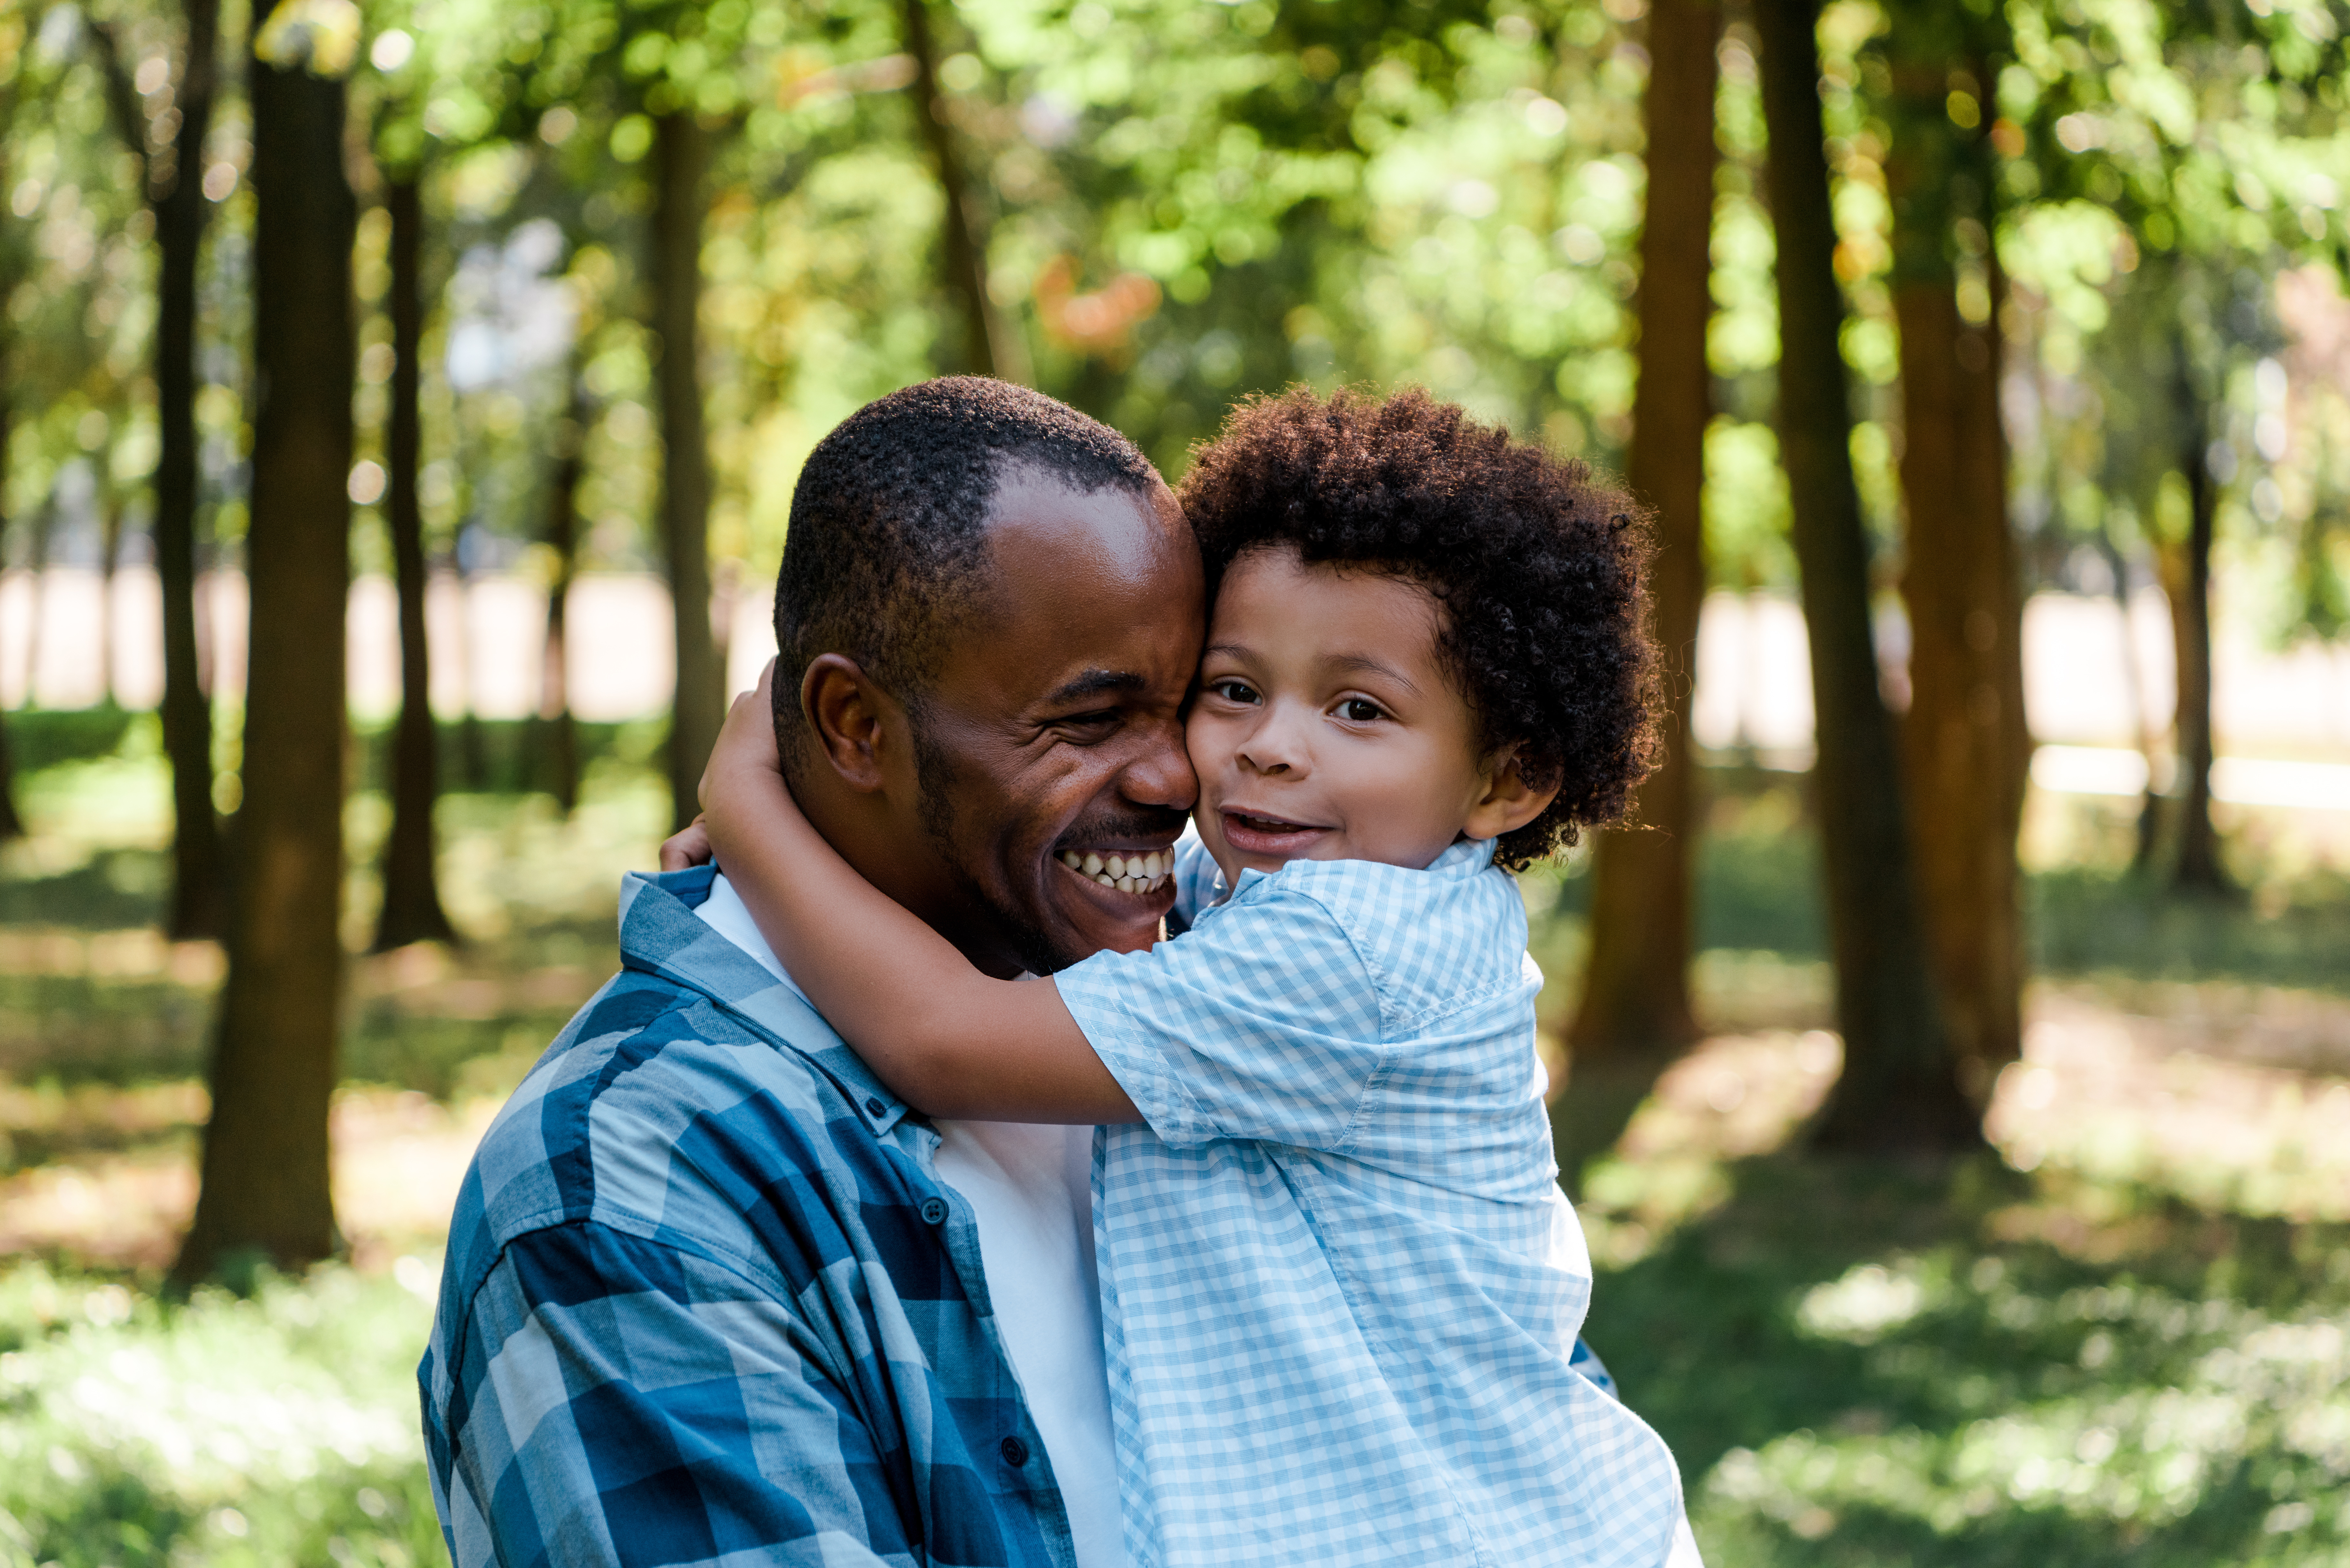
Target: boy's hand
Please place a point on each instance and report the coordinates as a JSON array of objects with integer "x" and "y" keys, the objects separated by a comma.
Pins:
[
  {"x": 687, "y": 847},
  {"x": 746, "y": 742}
]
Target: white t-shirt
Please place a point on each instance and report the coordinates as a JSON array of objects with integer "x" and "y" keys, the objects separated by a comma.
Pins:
[{"x": 1030, "y": 1188}]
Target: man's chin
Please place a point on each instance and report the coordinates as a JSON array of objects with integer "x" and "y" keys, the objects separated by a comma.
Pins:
[
  {"x": 1091, "y": 919},
  {"x": 1071, "y": 918}
]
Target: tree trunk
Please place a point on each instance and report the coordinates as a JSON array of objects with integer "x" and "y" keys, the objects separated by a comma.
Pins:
[
  {"x": 1963, "y": 740},
  {"x": 266, "y": 1191},
  {"x": 1899, "y": 1091},
  {"x": 560, "y": 738},
  {"x": 109, "y": 549},
  {"x": 11, "y": 824},
  {"x": 1636, "y": 984},
  {"x": 472, "y": 755},
  {"x": 411, "y": 894},
  {"x": 196, "y": 900},
  {"x": 683, "y": 151},
  {"x": 172, "y": 180},
  {"x": 2198, "y": 867},
  {"x": 987, "y": 347},
  {"x": 36, "y": 561}
]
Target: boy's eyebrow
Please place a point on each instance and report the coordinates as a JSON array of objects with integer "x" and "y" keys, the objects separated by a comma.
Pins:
[
  {"x": 1377, "y": 666},
  {"x": 1097, "y": 683}
]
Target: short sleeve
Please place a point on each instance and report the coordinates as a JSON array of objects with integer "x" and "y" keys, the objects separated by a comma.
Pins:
[
  {"x": 1197, "y": 879},
  {"x": 1261, "y": 1023}
]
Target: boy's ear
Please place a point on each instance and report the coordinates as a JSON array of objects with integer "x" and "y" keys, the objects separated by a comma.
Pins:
[
  {"x": 1509, "y": 803},
  {"x": 850, "y": 718}
]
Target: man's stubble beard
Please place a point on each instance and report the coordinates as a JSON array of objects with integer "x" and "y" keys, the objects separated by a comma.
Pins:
[{"x": 934, "y": 779}]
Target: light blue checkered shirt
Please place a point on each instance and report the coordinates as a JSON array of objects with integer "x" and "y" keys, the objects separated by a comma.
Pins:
[{"x": 1340, "y": 1286}]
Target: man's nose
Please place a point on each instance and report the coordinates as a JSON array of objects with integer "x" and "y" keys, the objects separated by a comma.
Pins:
[{"x": 1160, "y": 773}]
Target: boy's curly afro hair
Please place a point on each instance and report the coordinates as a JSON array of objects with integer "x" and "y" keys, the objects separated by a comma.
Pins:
[{"x": 1537, "y": 566}]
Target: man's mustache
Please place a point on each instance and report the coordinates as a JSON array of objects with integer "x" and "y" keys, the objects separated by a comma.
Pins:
[{"x": 1125, "y": 827}]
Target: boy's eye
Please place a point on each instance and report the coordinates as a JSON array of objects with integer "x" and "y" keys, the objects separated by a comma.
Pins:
[
  {"x": 1358, "y": 710},
  {"x": 1239, "y": 691}
]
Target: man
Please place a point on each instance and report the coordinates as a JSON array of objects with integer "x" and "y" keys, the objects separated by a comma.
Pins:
[{"x": 710, "y": 1295}]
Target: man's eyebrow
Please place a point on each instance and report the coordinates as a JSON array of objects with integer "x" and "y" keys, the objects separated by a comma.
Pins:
[{"x": 1097, "y": 683}]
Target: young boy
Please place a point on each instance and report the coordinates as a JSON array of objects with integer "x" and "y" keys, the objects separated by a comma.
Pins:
[{"x": 1340, "y": 1287}]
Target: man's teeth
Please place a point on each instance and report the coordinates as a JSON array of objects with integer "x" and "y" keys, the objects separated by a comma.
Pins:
[{"x": 1126, "y": 873}]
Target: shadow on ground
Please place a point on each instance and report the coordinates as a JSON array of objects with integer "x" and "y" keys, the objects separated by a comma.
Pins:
[{"x": 1863, "y": 1363}]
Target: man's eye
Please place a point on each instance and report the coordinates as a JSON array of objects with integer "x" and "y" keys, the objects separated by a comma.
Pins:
[
  {"x": 1358, "y": 710},
  {"x": 1095, "y": 721}
]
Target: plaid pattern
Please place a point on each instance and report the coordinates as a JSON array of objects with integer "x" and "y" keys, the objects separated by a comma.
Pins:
[
  {"x": 1340, "y": 1287},
  {"x": 706, "y": 1301}
]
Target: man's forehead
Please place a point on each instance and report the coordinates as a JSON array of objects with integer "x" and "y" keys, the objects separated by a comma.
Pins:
[
  {"x": 1055, "y": 632},
  {"x": 1039, "y": 520}
]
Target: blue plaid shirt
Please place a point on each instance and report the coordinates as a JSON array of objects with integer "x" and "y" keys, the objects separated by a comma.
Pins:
[
  {"x": 1340, "y": 1287},
  {"x": 707, "y": 1302}
]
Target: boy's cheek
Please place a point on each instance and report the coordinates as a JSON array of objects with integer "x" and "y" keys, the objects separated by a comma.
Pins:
[
  {"x": 1202, "y": 740},
  {"x": 1212, "y": 838}
]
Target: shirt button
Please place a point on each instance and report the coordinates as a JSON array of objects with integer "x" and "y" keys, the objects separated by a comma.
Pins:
[
  {"x": 873, "y": 1106},
  {"x": 934, "y": 1210},
  {"x": 1015, "y": 1452}
]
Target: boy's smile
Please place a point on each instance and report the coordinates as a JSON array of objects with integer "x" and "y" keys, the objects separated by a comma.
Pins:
[{"x": 1326, "y": 727}]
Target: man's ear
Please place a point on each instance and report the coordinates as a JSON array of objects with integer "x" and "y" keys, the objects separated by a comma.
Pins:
[
  {"x": 850, "y": 719},
  {"x": 1508, "y": 804}
]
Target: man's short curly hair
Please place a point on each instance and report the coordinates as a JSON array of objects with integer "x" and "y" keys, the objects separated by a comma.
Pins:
[{"x": 1537, "y": 566}]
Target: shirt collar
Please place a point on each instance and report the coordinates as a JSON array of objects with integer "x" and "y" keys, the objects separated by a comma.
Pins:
[
  {"x": 1460, "y": 860},
  {"x": 661, "y": 935}
]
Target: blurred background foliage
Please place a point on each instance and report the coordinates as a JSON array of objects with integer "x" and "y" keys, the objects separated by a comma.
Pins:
[
  {"x": 1181, "y": 204},
  {"x": 2117, "y": 1335}
]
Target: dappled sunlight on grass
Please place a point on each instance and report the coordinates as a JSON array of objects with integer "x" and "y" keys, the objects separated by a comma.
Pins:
[
  {"x": 278, "y": 1429},
  {"x": 2103, "y": 1094},
  {"x": 514, "y": 866},
  {"x": 2127, "y": 1340},
  {"x": 1997, "y": 1407},
  {"x": 1732, "y": 1096},
  {"x": 2119, "y": 1337},
  {"x": 2128, "y": 1353},
  {"x": 399, "y": 1156},
  {"x": 90, "y": 991},
  {"x": 75, "y": 808}
]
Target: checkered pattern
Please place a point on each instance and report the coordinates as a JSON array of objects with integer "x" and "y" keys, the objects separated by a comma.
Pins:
[
  {"x": 1340, "y": 1287},
  {"x": 706, "y": 1301}
]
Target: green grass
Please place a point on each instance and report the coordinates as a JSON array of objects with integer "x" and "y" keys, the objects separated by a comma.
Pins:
[
  {"x": 2105, "y": 920},
  {"x": 270, "y": 1430},
  {"x": 1855, "y": 1365},
  {"x": 1863, "y": 1366}
]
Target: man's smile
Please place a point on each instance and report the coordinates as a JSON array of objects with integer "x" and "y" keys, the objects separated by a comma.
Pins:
[{"x": 1126, "y": 870}]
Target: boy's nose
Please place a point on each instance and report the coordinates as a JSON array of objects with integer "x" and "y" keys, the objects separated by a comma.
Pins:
[{"x": 1275, "y": 747}]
